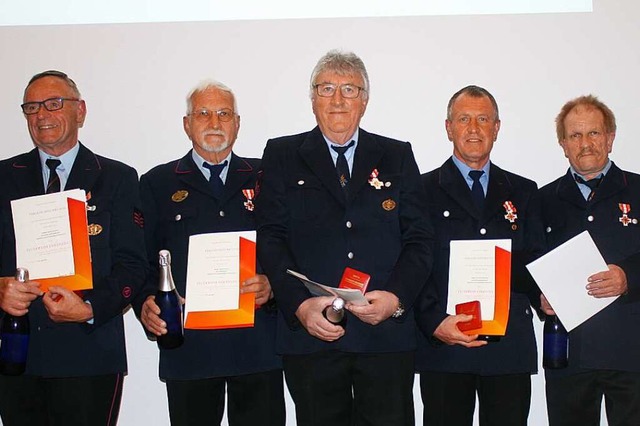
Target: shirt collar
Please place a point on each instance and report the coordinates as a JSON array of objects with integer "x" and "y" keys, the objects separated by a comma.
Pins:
[
  {"x": 205, "y": 172},
  {"x": 602, "y": 173},
  {"x": 465, "y": 169}
]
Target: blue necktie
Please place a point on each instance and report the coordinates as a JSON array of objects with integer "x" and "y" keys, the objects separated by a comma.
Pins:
[
  {"x": 591, "y": 183},
  {"x": 53, "y": 185},
  {"x": 215, "y": 182},
  {"x": 342, "y": 167},
  {"x": 477, "y": 193}
]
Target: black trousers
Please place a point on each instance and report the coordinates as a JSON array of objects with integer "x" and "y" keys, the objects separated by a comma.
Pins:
[
  {"x": 70, "y": 401},
  {"x": 576, "y": 400},
  {"x": 351, "y": 389},
  {"x": 449, "y": 399},
  {"x": 254, "y": 399}
]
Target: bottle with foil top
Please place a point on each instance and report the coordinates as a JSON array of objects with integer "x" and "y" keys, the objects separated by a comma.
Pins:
[
  {"x": 335, "y": 314},
  {"x": 555, "y": 351},
  {"x": 14, "y": 337},
  {"x": 168, "y": 300}
]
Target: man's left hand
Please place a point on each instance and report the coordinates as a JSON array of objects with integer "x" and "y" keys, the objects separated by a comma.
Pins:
[
  {"x": 258, "y": 284},
  {"x": 609, "y": 283},
  {"x": 382, "y": 304},
  {"x": 64, "y": 305}
]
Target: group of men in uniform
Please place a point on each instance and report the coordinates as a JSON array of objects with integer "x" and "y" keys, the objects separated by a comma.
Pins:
[{"x": 332, "y": 198}]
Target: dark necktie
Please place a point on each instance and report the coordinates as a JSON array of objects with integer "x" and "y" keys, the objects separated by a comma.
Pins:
[
  {"x": 214, "y": 180},
  {"x": 53, "y": 185},
  {"x": 591, "y": 183},
  {"x": 477, "y": 193},
  {"x": 342, "y": 167}
]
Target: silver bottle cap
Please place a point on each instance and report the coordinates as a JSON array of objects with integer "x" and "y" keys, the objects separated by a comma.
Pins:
[{"x": 22, "y": 275}]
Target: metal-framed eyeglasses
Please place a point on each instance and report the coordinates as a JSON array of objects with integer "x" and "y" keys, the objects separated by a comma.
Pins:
[
  {"x": 327, "y": 90},
  {"x": 51, "y": 104},
  {"x": 203, "y": 114}
]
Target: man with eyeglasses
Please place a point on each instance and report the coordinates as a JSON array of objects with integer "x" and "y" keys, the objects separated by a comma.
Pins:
[
  {"x": 76, "y": 359},
  {"x": 337, "y": 197},
  {"x": 210, "y": 190}
]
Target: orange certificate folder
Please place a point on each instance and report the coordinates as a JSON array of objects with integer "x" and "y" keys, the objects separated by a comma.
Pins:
[
  {"x": 82, "y": 278},
  {"x": 234, "y": 318},
  {"x": 498, "y": 325}
]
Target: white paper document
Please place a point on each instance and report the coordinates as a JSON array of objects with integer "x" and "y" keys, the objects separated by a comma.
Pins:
[
  {"x": 348, "y": 294},
  {"x": 213, "y": 271},
  {"x": 43, "y": 234},
  {"x": 562, "y": 276},
  {"x": 472, "y": 274}
]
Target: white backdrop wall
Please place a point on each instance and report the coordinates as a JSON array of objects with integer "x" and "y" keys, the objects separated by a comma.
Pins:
[{"x": 134, "y": 78}]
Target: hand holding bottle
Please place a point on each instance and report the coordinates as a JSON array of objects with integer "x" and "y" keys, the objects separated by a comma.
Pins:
[
  {"x": 16, "y": 296},
  {"x": 14, "y": 337},
  {"x": 169, "y": 304}
]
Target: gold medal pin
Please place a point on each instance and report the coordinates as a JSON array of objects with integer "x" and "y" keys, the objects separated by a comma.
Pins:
[{"x": 179, "y": 196}]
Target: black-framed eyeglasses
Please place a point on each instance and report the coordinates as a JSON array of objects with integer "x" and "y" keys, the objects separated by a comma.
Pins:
[
  {"x": 52, "y": 104},
  {"x": 349, "y": 91},
  {"x": 203, "y": 114}
]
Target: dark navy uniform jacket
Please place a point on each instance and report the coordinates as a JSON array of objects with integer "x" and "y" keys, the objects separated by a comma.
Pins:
[
  {"x": 455, "y": 217},
  {"x": 118, "y": 262},
  {"x": 169, "y": 221},
  {"x": 610, "y": 340},
  {"x": 308, "y": 224}
]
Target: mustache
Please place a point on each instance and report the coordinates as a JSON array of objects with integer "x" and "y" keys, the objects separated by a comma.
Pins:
[{"x": 213, "y": 133}]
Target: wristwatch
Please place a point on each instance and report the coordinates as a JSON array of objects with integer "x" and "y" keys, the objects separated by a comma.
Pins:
[{"x": 398, "y": 313}]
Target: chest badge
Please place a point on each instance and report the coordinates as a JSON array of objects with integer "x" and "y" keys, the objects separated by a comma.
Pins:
[
  {"x": 388, "y": 204},
  {"x": 625, "y": 220},
  {"x": 510, "y": 211},
  {"x": 179, "y": 196},
  {"x": 248, "y": 195},
  {"x": 94, "y": 229},
  {"x": 375, "y": 182}
]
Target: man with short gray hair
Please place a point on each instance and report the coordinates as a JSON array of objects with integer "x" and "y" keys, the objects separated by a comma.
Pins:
[
  {"x": 333, "y": 198},
  {"x": 210, "y": 190},
  {"x": 77, "y": 360}
]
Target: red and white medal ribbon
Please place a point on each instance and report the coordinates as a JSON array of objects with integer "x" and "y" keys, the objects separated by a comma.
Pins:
[
  {"x": 248, "y": 194},
  {"x": 510, "y": 210},
  {"x": 625, "y": 219},
  {"x": 375, "y": 182}
]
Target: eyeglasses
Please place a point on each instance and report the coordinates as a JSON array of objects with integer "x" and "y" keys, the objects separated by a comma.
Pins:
[
  {"x": 53, "y": 104},
  {"x": 327, "y": 90},
  {"x": 224, "y": 114}
]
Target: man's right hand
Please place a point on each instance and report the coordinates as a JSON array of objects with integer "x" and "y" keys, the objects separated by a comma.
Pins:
[
  {"x": 150, "y": 317},
  {"x": 16, "y": 296},
  {"x": 449, "y": 333},
  {"x": 546, "y": 306},
  {"x": 309, "y": 313}
]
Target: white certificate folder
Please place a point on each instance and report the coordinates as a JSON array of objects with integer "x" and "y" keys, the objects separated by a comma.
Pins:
[{"x": 562, "y": 276}]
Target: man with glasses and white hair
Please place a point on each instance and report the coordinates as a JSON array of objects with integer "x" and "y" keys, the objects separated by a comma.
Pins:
[
  {"x": 76, "y": 357},
  {"x": 209, "y": 190},
  {"x": 339, "y": 197}
]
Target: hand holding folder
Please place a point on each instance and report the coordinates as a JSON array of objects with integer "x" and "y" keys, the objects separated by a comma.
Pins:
[{"x": 52, "y": 239}]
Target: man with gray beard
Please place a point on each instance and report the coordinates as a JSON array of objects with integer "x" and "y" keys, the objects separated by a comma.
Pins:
[{"x": 209, "y": 190}]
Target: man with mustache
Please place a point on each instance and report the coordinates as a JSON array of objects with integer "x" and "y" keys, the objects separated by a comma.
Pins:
[
  {"x": 209, "y": 190},
  {"x": 453, "y": 366},
  {"x": 76, "y": 360},
  {"x": 336, "y": 197},
  {"x": 597, "y": 196}
]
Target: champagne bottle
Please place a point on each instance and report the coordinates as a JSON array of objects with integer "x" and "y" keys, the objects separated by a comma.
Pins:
[
  {"x": 14, "y": 335},
  {"x": 335, "y": 314},
  {"x": 168, "y": 301},
  {"x": 556, "y": 344}
]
